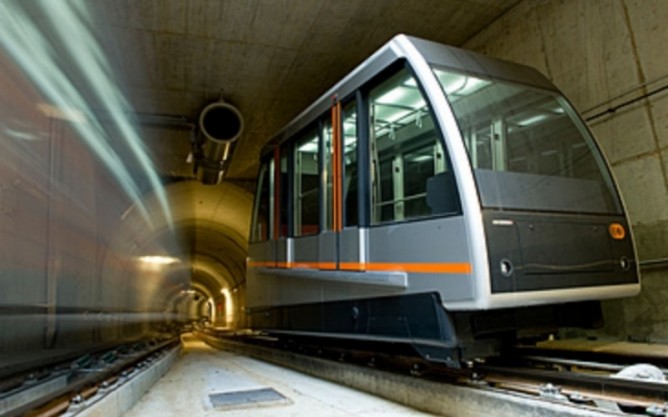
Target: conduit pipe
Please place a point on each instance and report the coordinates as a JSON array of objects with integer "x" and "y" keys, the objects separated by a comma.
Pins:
[{"x": 220, "y": 125}]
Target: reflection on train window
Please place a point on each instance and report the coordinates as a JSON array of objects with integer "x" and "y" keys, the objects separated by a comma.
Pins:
[
  {"x": 283, "y": 193},
  {"x": 527, "y": 146},
  {"x": 260, "y": 230},
  {"x": 328, "y": 195},
  {"x": 410, "y": 175},
  {"x": 350, "y": 177},
  {"x": 306, "y": 197}
]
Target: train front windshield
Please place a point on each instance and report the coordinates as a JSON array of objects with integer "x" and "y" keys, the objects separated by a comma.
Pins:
[{"x": 528, "y": 148}]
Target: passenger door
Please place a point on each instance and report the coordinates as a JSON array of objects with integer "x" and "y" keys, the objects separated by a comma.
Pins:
[
  {"x": 340, "y": 239},
  {"x": 307, "y": 200}
]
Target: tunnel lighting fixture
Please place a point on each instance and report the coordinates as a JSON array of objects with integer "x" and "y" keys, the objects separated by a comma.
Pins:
[
  {"x": 229, "y": 307},
  {"x": 158, "y": 260}
]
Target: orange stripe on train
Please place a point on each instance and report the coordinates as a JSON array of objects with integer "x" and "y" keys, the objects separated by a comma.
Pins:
[{"x": 415, "y": 267}]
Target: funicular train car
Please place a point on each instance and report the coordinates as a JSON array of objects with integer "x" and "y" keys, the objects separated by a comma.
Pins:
[{"x": 440, "y": 198}]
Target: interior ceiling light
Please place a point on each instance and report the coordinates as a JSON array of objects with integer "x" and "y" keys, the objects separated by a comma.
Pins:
[
  {"x": 396, "y": 95},
  {"x": 532, "y": 120},
  {"x": 310, "y": 146},
  {"x": 460, "y": 85}
]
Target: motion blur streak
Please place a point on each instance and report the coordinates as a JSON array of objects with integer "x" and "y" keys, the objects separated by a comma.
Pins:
[
  {"x": 54, "y": 53},
  {"x": 90, "y": 253}
]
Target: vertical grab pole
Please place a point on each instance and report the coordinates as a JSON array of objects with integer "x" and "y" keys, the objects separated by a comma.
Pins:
[{"x": 336, "y": 166}]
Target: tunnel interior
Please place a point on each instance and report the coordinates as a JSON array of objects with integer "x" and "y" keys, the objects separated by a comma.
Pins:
[
  {"x": 107, "y": 235},
  {"x": 94, "y": 246}
]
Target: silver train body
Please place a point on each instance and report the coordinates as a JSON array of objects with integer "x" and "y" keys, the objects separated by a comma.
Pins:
[{"x": 438, "y": 196}]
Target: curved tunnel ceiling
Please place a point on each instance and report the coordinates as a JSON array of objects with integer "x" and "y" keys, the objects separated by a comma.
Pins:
[
  {"x": 212, "y": 224},
  {"x": 270, "y": 59}
]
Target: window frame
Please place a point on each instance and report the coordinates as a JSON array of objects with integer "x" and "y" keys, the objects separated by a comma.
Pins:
[
  {"x": 264, "y": 168},
  {"x": 293, "y": 141},
  {"x": 364, "y": 93}
]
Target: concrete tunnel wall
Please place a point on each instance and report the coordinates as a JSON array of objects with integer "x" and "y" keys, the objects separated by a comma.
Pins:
[
  {"x": 602, "y": 53},
  {"x": 70, "y": 269}
]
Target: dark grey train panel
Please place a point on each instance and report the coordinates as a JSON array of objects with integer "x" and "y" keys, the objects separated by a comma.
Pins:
[
  {"x": 539, "y": 192},
  {"x": 418, "y": 319},
  {"x": 538, "y": 251},
  {"x": 562, "y": 247}
]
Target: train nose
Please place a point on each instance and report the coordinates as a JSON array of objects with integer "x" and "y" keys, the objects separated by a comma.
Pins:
[{"x": 539, "y": 252}]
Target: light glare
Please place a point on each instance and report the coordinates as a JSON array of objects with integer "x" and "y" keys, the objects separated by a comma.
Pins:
[{"x": 158, "y": 260}]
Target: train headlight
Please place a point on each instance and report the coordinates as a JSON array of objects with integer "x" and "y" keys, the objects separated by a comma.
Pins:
[
  {"x": 506, "y": 267},
  {"x": 625, "y": 263},
  {"x": 617, "y": 231}
]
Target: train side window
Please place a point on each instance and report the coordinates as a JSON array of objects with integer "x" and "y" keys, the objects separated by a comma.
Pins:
[
  {"x": 306, "y": 202},
  {"x": 527, "y": 146},
  {"x": 283, "y": 185},
  {"x": 407, "y": 157},
  {"x": 262, "y": 211},
  {"x": 350, "y": 175}
]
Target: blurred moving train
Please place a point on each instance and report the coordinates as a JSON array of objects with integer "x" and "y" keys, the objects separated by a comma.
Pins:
[{"x": 438, "y": 197}]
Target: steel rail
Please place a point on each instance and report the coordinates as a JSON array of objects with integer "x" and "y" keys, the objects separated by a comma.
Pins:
[
  {"x": 605, "y": 385},
  {"x": 87, "y": 380}
]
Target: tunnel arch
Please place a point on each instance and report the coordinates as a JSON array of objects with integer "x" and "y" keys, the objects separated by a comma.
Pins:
[{"x": 207, "y": 236}]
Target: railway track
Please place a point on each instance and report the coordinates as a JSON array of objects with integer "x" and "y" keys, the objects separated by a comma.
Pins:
[
  {"x": 56, "y": 388},
  {"x": 580, "y": 379},
  {"x": 595, "y": 384}
]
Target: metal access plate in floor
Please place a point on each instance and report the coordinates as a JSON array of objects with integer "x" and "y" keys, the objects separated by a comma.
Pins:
[{"x": 247, "y": 397}]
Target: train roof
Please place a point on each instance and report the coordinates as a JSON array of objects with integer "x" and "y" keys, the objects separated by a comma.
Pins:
[{"x": 412, "y": 49}]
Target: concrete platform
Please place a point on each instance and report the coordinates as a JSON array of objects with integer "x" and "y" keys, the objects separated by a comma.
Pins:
[
  {"x": 202, "y": 371},
  {"x": 432, "y": 397}
]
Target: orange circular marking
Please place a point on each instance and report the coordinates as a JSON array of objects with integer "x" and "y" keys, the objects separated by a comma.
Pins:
[{"x": 617, "y": 231}]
